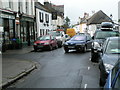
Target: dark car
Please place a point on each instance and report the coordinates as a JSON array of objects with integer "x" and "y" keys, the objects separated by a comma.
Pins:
[
  {"x": 99, "y": 38},
  {"x": 109, "y": 55},
  {"x": 46, "y": 42},
  {"x": 78, "y": 42},
  {"x": 113, "y": 80}
]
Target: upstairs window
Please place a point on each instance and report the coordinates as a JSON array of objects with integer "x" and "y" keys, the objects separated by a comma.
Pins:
[
  {"x": 47, "y": 18},
  {"x": 41, "y": 16}
]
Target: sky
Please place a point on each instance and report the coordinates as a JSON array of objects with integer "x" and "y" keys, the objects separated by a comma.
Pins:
[{"x": 76, "y": 8}]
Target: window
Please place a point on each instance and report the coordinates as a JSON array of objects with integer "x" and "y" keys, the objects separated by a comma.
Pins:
[
  {"x": 1, "y": 22},
  {"x": 47, "y": 18},
  {"x": 10, "y": 5},
  {"x": 41, "y": 16},
  {"x": 40, "y": 32}
]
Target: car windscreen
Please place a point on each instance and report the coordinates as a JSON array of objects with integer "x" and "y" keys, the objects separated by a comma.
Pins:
[
  {"x": 78, "y": 38},
  {"x": 105, "y": 34},
  {"x": 43, "y": 38},
  {"x": 55, "y": 33},
  {"x": 113, "y": 47}
]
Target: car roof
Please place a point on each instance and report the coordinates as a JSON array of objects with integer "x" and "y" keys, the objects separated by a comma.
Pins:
[{"x": 114, "y": 38}]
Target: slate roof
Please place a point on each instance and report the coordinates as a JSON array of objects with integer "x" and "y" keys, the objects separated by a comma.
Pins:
[
  {"x": 41, "y": 7},
  {"x": 98, "y": 18}
]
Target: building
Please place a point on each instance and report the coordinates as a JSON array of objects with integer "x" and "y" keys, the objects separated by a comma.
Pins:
[
  {"x": 93, "y": 23},
  {"x": 43, "y": 19},
  {"x": 57, "y": 14},
  {"x": 17, "y": 21},
  {"x": 83, "y": 23},
  {"x": 119, "y": 14}
]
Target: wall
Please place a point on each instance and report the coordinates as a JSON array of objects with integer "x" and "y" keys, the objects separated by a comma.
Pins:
[{"x": 40, "y": 25}]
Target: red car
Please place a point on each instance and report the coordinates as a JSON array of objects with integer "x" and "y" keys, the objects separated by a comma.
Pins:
[{"x": 46, "y": 42}]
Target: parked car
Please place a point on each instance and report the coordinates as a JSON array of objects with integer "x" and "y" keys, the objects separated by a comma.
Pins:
[
  {"x": 113, "y": 80},
  {"x": 78, "y": 42},
  {"x": 108, "y": 56},
  {"x": 99, "y": 38},
  {"x": 46, "y": 42},
  {"x": 59, "y": 36}
]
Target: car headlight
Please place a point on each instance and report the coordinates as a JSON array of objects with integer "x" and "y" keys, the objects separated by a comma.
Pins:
[
  {"x": 108, "y": 67},
  {"x": 96, "y": 45},
  {"x": 46, "y": 43},
  {"x": 35, "y": 43},
  {"x": 65, "y": 43}
]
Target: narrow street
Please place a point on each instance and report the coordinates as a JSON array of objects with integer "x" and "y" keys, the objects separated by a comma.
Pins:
[{"x": 59, "y": 70}]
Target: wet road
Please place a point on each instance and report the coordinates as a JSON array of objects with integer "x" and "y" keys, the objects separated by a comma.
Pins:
[{"x": 60, "y": 70}]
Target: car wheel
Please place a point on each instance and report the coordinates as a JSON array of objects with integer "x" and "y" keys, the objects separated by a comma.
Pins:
[
  {"x": 84, "y": 49},
  {"x": 101, "y": 80},
  {"x": 35, "y": 49},
  {"x": 66, "y": 50},
  {"x": 94, "y": 57},
  {"x": 56, "y": 46},
  {"x": 50, "y": 48}
]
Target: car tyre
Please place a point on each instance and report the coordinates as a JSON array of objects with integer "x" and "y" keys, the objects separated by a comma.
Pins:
[
  {"x": 66, "y": 50},
  {"x": 84, "y": 49},
  {"x": 101, "y": 83},
  {"x": 56, "y": 47},
  {"x": 101, "y": 80},
  {"x": 35, "y": 49},
  {"x": 50, "y": 48}
]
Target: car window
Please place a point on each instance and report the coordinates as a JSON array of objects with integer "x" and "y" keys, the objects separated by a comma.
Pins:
[
  {"x": 113, "y": 47},
  {"x": 89, "y": 37},
  {"x": 105, "y": 34},
  {"x": 78, "y": 38},
  {"x": 44, "y": 38}
]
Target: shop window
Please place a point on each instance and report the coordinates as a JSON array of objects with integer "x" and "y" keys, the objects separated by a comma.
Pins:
[
  {"x": 1, "y": 22},
  {"x": 31, "y": 32},
  {"x": 11, "y": 29}
]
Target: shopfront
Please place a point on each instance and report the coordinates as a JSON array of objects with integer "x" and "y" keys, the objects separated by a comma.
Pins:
[
  {"x": 27, "y": 31},
  {"x": 7, "y": 26}
]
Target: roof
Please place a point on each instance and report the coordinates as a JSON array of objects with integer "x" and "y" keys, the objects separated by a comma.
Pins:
[
  {"x": 98, "y": 18},
  {"x": 41, "y": 7}
]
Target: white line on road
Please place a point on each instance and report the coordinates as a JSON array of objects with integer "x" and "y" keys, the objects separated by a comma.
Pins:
[
  {"x": 88, "y": 68},
  {"x": 85, "y": 86}
]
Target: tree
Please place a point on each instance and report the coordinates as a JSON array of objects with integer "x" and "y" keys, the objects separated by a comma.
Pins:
[{"x": 67, "y": 23}]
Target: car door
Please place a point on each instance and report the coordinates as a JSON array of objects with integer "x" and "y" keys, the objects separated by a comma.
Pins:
[
  {"x": 89, "y": 42},
  {"x": 115, "y": 77}
]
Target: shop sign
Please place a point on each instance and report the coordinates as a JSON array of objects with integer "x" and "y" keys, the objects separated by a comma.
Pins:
[
  {"x": 17, "y": 21},
  {"x": 2, "y": 15}
]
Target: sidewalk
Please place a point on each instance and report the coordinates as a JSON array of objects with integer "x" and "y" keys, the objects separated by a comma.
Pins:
[{"x": 13, "y": 68}]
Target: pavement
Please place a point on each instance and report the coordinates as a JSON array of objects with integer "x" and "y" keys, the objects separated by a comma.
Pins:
[{"x": 12, "y": 69}]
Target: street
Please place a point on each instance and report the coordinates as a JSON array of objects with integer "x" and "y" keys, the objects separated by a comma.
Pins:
[{"x": 58, "y": 69}]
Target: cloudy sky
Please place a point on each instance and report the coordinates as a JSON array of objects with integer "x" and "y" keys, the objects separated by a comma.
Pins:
[{"x": 76, "y": 8}]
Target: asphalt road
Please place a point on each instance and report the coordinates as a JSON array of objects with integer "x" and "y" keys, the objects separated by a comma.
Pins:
[{"x": 60, "y": 70}]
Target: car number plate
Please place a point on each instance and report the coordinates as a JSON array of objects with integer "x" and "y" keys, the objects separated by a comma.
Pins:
[
  {"x": 40, "y": 46},
  {"x": 71, "y": 47}
]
